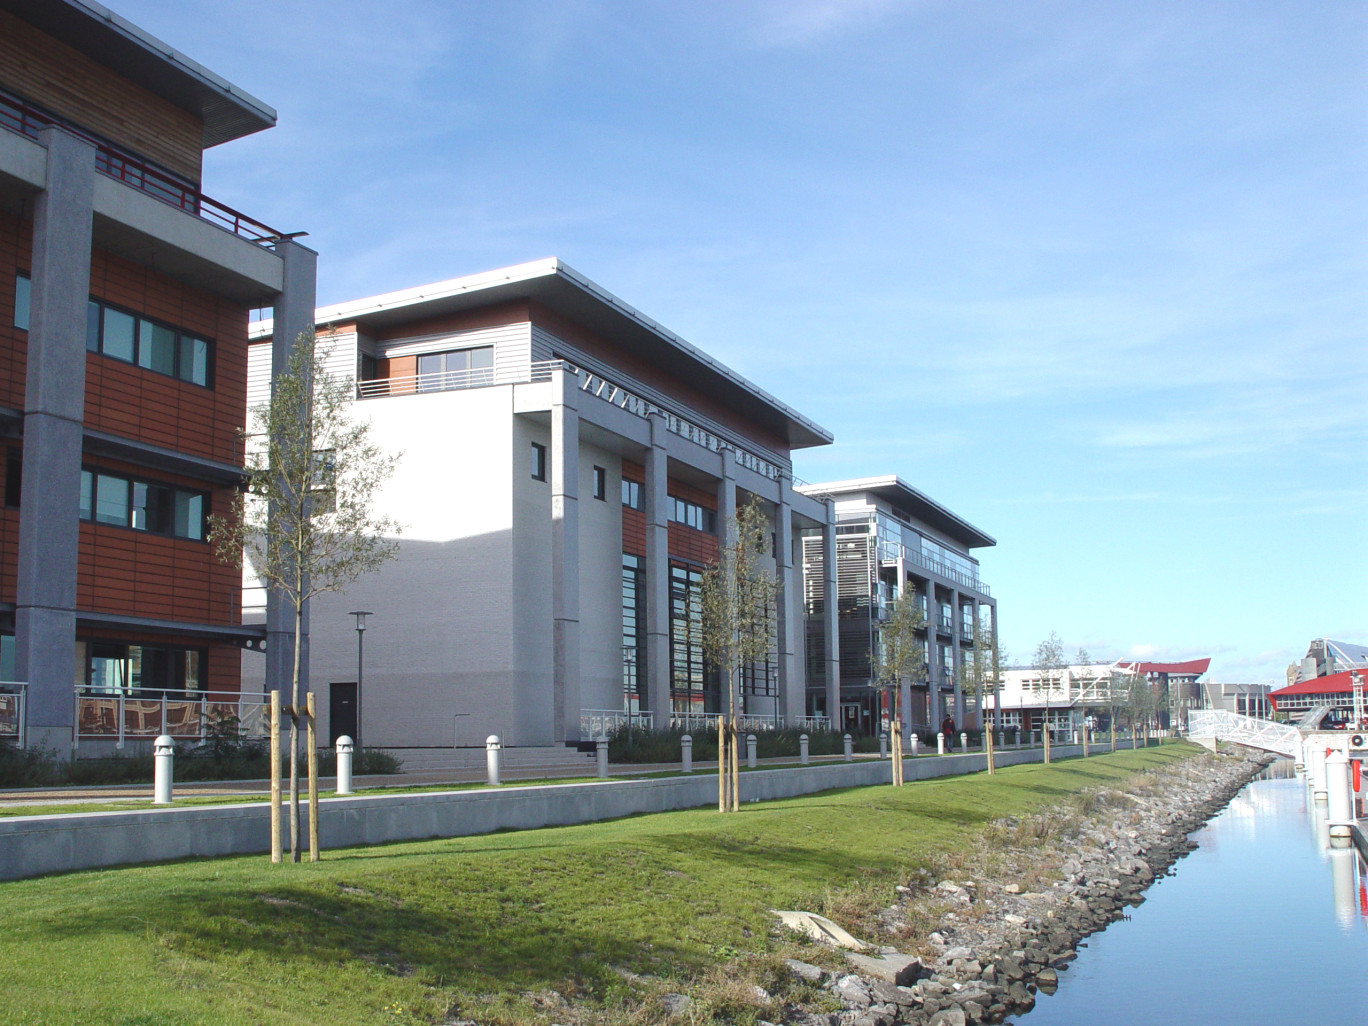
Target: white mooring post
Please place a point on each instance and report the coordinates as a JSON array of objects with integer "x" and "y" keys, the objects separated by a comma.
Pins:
[
  {"x": 686, "y": 753},
  {"x": 163, "y": 756},
  {"x": 940, "y": 742},
  {"x": 883, "y": 744},
  {"x": 916, "y": 743},
  {"x": 803, "y": 756},
  {"x": 601, "y": 754},
  {"x": 751, "y": 742},
  {"x": 492, "y": 748},
  {"x": 344, "y": 764},
  {"x": 1341, "y": 799},
  {"x": 964, "y": 740},
  {"x": 848, "y": 747},
  {"x": 1318, "y": 788}
]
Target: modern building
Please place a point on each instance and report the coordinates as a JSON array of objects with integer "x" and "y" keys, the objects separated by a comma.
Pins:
[
  {"x": 891, "y": 538},
  {"x": 1244, "y": 699},
  {"x": 567, "y": 466},
  {"x": 1029, "y": 698},
  {"x": 1325, "y": 658},
  {"x": 1329, "y": 701},
  {"x": 125, "y": 294}
]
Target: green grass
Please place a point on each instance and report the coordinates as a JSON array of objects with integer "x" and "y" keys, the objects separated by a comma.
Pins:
[{"x": 414, "y": 933}]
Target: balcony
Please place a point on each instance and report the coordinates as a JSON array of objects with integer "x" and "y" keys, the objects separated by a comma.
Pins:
[
  {"x": 593, "y": 384},
  {"x": 22, "y": 119}
]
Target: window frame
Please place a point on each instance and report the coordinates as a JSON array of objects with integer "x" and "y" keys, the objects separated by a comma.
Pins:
[
  {"x": 538, "y": 462},
  {"x": 601, "y": 483},
  {"x": 145, "y": 330},
  {"x": 89, "y": 511}
]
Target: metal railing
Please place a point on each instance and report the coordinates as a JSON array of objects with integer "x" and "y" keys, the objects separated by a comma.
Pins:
[
  {"x": 192, "y": 716},
  {"x": 1224, "y": 725},
  {"x": 13, "y": 712},
  {"x": 594, "y": 722},
  {"x": 23, "y": 119}
]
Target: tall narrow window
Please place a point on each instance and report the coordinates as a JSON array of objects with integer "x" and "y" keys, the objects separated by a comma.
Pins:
[
  {"x": 633, "y": 642},
  {"x": 631, "y": 494},
  {"x": 22, "y": 287},
  {"x": 600, "y": 484},
  {"x": 538, "y": 462}
]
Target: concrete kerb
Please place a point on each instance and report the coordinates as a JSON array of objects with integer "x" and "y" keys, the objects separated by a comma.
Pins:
[{"x": 39, "y": 845}]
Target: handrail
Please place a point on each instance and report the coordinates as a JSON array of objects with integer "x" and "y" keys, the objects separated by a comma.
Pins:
[
  {"x": 23, "y": 119},
  {"x": 120, "y": 713}
]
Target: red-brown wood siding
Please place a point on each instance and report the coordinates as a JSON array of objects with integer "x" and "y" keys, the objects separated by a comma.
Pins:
[
  {"x": 52, "y": 75},
  {"x": 15, "y": 248},
  {"x": 685, "y": 542}
]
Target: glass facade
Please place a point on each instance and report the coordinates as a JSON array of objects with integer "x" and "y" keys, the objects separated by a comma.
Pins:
[
  {"x": 693, "y": 685},
  {"x": 633, "y": 633}
]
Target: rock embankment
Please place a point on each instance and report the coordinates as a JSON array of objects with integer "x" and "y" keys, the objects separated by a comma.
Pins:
[{"x": 1010, "y": 925}]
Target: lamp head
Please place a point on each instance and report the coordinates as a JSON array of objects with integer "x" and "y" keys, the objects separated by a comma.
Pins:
[{"x": 360, "y": 615}]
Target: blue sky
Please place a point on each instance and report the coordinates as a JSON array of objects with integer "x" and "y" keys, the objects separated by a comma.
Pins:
[{"x": 1090, "y": 273}]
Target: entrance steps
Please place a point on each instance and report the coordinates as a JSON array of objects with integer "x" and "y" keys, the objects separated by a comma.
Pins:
[{"x": 549, "y": 757}]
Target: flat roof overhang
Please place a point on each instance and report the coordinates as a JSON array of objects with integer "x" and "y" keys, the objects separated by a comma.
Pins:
[
  {"x": 559, "y": 288},
  {"x": 92, "y": 29},
  {"x": 898, "y": 493}
]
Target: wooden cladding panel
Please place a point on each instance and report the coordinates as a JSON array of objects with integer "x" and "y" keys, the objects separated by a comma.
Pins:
[
  {"x": 15, "y": 248},
  {"x": 685, "y": 542},
  {"x": 9, "y": 553},
  {"x": 52, "y": 75},
  {"x": 634, "y": 532},
  {"x": 693, "y": 546}
]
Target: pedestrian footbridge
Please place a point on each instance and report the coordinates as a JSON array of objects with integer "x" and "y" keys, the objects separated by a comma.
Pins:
[{"x": 1281, "y": 738}]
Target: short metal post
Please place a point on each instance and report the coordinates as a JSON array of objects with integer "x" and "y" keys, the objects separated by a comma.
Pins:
[
  {"x": 940, "y": 742},
  {"x": 964, "y": 740},
  {"x": 849, "y": 748},
  {"x": 686, "y": 753},
  {"x": 916, "y": 743},
  {"x": 883, "y": 744},
  {"x": 803, "y": 757},
  {"x": 492, "y": 747},
  {"x": 751, "y": 743},
  {"x": 1002, "y": 739},
  {"x": 344, "y": 764},
  {"x": 163, "y": 754},
  {"x": 601, "y": 755}
]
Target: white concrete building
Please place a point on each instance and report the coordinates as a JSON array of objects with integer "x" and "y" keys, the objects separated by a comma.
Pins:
[
  {"x": 566, "y": 465},
  {"x": 1028, "y": 698}
]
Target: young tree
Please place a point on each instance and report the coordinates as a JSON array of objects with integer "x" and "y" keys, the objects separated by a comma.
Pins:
[
  {"x": 305, "y": 523},
  {"x": 738, "y": 606},
  {"x": 981, "y": 676},
  {"x": 1049, "y": 663},
  {"x": 1141, "y": 704},
  {"x": 900, "y": 659}
]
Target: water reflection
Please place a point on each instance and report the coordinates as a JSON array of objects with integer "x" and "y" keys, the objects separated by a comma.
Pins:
[{"x": 1263, "y": 923}]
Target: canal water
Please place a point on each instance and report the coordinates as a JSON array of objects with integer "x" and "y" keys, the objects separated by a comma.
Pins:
[{"x": 1262, "y": 924}]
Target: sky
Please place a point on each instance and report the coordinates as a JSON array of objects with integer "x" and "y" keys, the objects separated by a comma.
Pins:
[{"x": 1091, "y": 274}]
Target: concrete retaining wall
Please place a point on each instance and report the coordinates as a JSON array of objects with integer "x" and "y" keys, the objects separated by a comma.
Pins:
[{"x": 36, "y": 845}]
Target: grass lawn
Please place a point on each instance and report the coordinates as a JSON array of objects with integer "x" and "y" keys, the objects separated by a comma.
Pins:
[{"x": 414, "y": 933}]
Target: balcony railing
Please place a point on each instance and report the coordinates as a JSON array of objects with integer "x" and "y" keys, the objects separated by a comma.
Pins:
[
  {"x": 191, "y": 716},
  {"x": 13, "y": 712},
  {"x": 589, "y": 382},
  {"x": 22, "y": 119},
  {"x": 595, "y": 722}
]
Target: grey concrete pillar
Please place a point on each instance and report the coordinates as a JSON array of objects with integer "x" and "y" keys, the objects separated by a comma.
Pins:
[
  {"x": 726, "y": 512},
  {"x": 54, "y": 408},
  {"x": 655, "y": 499},
  {"x": 792, "y": 682},
  {"x": 292, "y": 315},
  {"x": 565, "y": 569},
  {"x": 831, "y": 634}
]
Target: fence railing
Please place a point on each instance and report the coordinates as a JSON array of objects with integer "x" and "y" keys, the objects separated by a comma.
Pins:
[
  {"x": 27, "y": 121},
  {"x": 594, "y": 722},
  {"x": 192, "y": 716},
  {"x": 13, "y": 713}
]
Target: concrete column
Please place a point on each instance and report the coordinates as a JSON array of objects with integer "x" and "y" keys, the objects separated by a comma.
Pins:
[
  {"x": 54, "y": 408},
  {"x": 792, "y": 679},
  {"x": 292, "y": 315},
  {"x": 726, "y": 511},
  {"x": 565, "y": 555},
  {"x": 656, "y": 502},
  {"x": 831, "y": 634}
]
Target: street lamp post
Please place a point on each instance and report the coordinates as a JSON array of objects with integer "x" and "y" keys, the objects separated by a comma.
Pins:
[{"x": 360, "y": 615}]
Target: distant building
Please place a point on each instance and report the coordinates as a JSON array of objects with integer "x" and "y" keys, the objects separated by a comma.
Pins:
[
  {"x": 1324, "y": 658},
  {"x": 1244, "y": 699},
  {"x": 889, "y": 537},
  {"x": 1175, "y": 684},
  {"x": 1335, "y": 691}
]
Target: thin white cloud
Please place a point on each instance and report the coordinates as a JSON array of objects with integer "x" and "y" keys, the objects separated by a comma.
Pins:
[{"x": 799, "y": 23}]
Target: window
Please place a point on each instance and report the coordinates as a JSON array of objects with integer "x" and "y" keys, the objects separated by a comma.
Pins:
[
  {"x": 691, "y": 514},
  {"x": 460, "y": 368},
  {"x": 633, "y": 640},
  {"x": 125, "y": 336},
  {"x": 600, "y": 484},
  {"x": 631, "y": 494},
  {"x": 112, "y": 668},
  {"x": 538, "y": 462},
  {"x": 143, "y": 505},
  {"x": 693, "y": 685},
  {"x": 22, "y": 287}
]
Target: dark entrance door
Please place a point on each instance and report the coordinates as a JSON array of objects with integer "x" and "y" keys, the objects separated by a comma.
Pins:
[{"x": 341, "y": 712}]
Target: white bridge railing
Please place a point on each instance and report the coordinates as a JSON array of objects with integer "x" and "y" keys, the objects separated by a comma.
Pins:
[{"x": 1281, "y": 738}]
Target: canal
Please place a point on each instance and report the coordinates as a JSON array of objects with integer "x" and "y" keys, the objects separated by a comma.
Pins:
[{"x": 1262, "y": 924}]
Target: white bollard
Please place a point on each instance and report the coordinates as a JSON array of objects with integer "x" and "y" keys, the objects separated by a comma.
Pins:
[
  {"x": 686, "y": 753},
  {"x": 750, "y": 751},
  {"x": 964, "y": 740},
  {"x": 1319, "y": 792},
  {"x": 849, "y": 747},
  {"x": 915, "y": 741},
  {"x": 883, "y": 744},
  {"x": 601, "y": 753},
  {"x": 1341, "y": 800},
  {"x": 1075, "y": 734},
  {"x": 492, "y": 748},
  {"x": 940, "y": 742},
  {"x": 163, "y": 758},
  {"x": 344, "y": 765},
  {"x": 803, "y": 757}
]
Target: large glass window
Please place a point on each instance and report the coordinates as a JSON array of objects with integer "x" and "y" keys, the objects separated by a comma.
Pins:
[
  {"x": 143, "y": 505},
  {"x": 159, "y": 347},
  {"x": 693, "y": 685},
  {"x": 633, "y": 634},
  {"x": 691, "y": 514},
  {"x": 459, "y": 368},
  {"x": 114, "y": 668}
]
